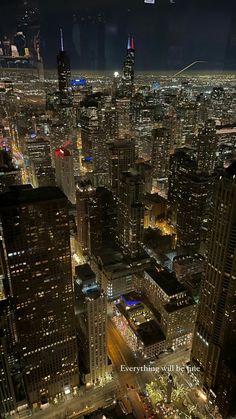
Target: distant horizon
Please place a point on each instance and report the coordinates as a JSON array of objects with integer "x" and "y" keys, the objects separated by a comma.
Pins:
[{"x": 119, "y": 70}]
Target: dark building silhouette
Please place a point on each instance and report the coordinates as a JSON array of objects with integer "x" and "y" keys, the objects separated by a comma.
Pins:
[
  {"x": 64, "y": 74},
  {"x": 128, "y": 69},
  {"x": 35, "y": 230},
  {"x": 215, "y": 333}
]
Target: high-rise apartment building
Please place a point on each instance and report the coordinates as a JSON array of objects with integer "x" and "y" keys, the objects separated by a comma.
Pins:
[
  {"x": 215, "y": 332},
  {"x": 206, "y": 148},
  {"x": 36, "y": 242}
]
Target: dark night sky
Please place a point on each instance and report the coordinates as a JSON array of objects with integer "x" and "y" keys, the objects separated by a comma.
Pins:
[{"x": 167, "y": 36}]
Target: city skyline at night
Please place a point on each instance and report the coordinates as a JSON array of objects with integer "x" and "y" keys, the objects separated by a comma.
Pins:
[{"x": 118, "y": 209}]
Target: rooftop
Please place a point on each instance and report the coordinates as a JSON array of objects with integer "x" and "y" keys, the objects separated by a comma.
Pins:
[
  {"x": 141, "y": 318},
  {"x": 84, "y": 272},
  {"x": 26, "y": 196},
  {"x": 166, "y": 281},
  {"x": 150, "y": 333}
]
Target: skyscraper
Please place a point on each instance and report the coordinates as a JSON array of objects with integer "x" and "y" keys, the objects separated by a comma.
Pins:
[
  {"x": 102, "y": 219},
  {"x": 121, "y": 159},
  {"x": 160, "y": 155},
  {"x": 7, "y": 393},
  {"x": 89, "y": 126},
  {"x": 35, "y": 230},
  {"x": 41, "y": 171},
  {"x": 215, "y": 332},
  {"x": 130, "y": 223},
  {"x": 207, "y": 142},
  {"x": 128, "y": 69},
  {"x": 189, "y": 195},
  {"x": 91, "y": 314},
  {"x": 64, "y": 74},
  {"x": 64, "y": 171},
  {"x": 84, "y": 192}
]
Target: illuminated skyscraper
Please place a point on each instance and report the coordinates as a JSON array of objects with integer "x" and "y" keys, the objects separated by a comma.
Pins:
[
  {"x": 206, "y": 147},
  {"x": 35, "y": 230},
  {"x": 41, "y": 171},
  {"x": 160, "y": 155},
  {"x": 128, "y": 69},
  {"x": 123, "y": 109},
  {"x": 130, "y": 223},
  {"x": 91, "y": 316},
  {"x": 142, "y": 123},
  {"x": 84, "y": 192},
  {"x": 121, "y": 159},
  {"x": 7, "y": 393},
  {"x": 64, "y": 74},
  {"x": 215, "y": 333},
  {"x": 89, "y": 126},
  {"x": 190, "y": 196},
  {"x": 102, "y": 220}
]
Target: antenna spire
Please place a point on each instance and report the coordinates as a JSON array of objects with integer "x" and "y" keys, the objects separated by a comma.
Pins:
[
  {"x": 61, "y": 40},
  {"x": 132, "y": 42},
  {"x": 128, "y": 44}
]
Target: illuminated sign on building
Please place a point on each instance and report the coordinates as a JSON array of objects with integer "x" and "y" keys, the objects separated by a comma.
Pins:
[
  {"x": 130, "y": 303},
  {"x": 78, "y": 82}
]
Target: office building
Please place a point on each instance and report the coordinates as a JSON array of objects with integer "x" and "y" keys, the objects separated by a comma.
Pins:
[
  {"x": 91, "y": 320},
  {"x": 206, "y": 148},
  {"x": 7, "y": 394},
  {"x": 177, "y": 310},
  {"x": 115, "y": 272},
  {"x": 160, "y": 157},
  {"x": 130, "y": 220},
  {"x": 89, "y": 122},
  {"x": 102, "y": 220},
  {"x": 123, "y": 109},
  {"x": 121, "y": 159},
  {"x": 40, "y": 164},
  {"x": 138, "y": 325},
  {"x": 128, "y": 69},
  {"x": 84, "y": 192},
  {"x": 35, "y": 230},
  {"x": 64, "y": 74},
  {"x": 142, "y": 123},
  {"x": 9, "y": 175},
  {"x": 190, "y": 196},
  {"x": 226, "y": 388},
  {"x": 64, "y": 172},
  {"x": 215, "y": 334}
]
